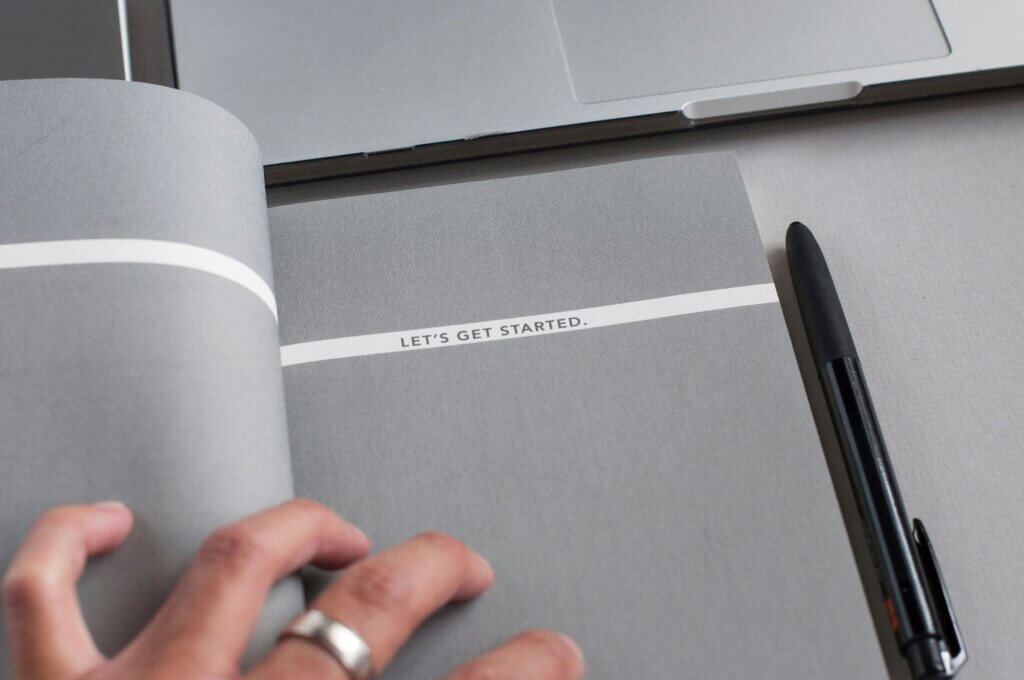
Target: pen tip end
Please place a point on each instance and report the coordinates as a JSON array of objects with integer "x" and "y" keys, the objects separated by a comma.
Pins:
[
  {"x": 798, "y": 239},
  {"x": 796, "y": 228}
]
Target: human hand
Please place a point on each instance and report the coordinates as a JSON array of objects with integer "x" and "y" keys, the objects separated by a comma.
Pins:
[{"x": 202, "y": 629}]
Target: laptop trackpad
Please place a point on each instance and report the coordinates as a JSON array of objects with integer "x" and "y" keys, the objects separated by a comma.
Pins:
[{"x": 619, "y": 50}]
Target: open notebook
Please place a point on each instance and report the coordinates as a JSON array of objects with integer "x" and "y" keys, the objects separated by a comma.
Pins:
[{"x": 584, "y": 374}]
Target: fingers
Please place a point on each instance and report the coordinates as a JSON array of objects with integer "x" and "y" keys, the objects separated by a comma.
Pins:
[
  {"x": 212, "y": 611},
  {"x": 46, "y": 633},
  {"x": 384, "y": 599},
  {"x": 535, "y": 654}
]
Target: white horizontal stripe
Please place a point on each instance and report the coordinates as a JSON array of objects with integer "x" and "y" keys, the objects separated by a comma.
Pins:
[
  {"x": 135, "y": 251},
  {"x": 527, "y": 326}
]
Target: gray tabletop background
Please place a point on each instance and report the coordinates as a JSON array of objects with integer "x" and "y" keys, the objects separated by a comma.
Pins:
[{"x": 919, "y": 207}]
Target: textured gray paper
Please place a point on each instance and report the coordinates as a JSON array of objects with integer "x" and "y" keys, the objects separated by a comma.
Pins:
[
  {"x": 654, "y": 489},
  {"x": 156, "y": 385}
]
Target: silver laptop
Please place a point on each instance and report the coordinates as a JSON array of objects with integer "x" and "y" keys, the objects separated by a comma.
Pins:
[
  {"x": 63, "y": 39},
  {"x": 339, "y": 86}
]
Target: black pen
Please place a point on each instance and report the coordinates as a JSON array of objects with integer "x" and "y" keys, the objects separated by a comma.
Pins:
[{"x": 916, "y": 599}]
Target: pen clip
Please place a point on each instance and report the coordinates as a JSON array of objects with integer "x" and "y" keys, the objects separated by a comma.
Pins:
[{"x": 940, "y": 598}]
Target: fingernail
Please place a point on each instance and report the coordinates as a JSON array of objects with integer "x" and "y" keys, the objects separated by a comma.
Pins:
[
  {"x": 110, "y": 505},
  {"x": 481, "y": 577},
  {"x": 572, "y": 645},
  {"x": 362, "y": 534},
  {"x": 356, "y": 530},
  {"x": 485, "y": 568}
]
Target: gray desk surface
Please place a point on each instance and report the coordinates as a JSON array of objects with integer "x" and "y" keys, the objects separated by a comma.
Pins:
[{"x": 919, "y": 207}]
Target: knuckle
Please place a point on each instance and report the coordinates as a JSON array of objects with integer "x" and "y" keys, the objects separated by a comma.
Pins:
[
  {"x": 563, "y": 658},
  {"x": 308, "y": 505},
  {"x": 379, "y": 586},
  {"x": 316, "y": 513},
  {"x": 480, "y": 670},
  {"x": 25, "y": 591},
  {"x": 234, "y": 549},
  {"x": 442, "y": 541},
  {"x": 60, "y": 517}
]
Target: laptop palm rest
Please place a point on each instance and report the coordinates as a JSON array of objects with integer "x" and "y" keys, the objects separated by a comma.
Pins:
[{"x": 622, "y": 50}]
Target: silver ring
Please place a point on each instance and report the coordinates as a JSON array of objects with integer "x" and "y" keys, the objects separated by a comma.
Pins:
[{"x": 337, "y": 639}]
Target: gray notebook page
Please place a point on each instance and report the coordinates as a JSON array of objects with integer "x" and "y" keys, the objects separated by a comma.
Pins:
[
  {"x": 655, "y": 489},
  {"x": 150, "y": 382}
]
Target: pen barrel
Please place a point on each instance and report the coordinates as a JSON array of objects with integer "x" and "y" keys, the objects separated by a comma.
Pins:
[{"x": 897, "y": 565}]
